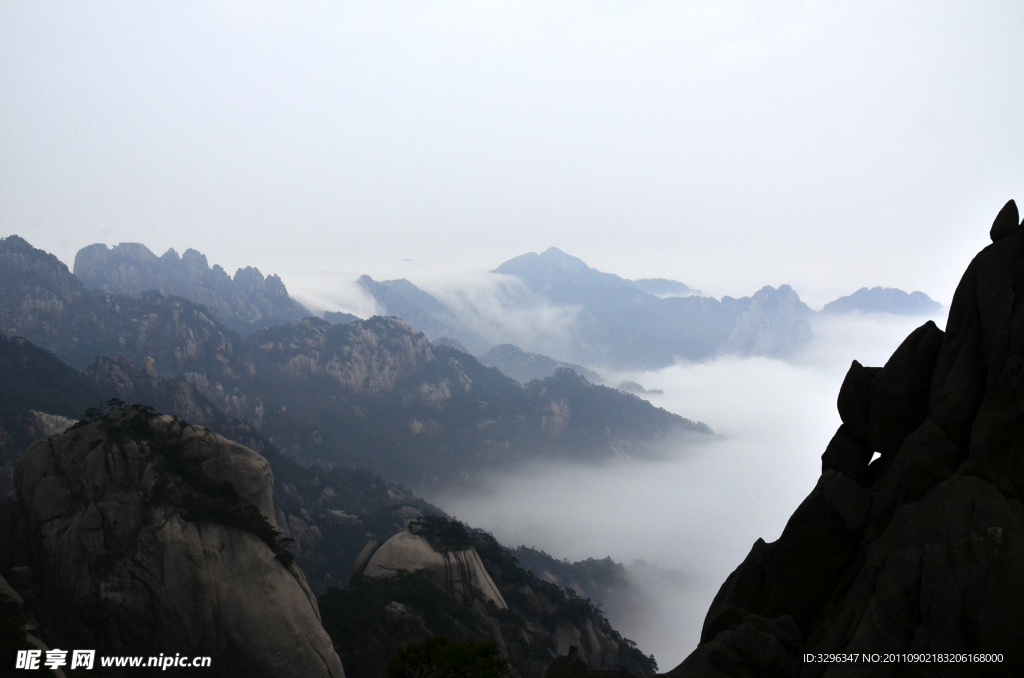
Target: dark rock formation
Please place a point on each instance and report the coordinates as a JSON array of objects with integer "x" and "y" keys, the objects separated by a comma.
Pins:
[
  {"x": 524, "y": 367},
  {"x": 883, "y": 300},
  {"x": 245, "y": 303},
  {"x": 145, "y": 535},
  {"x": 1005, "y": 222},
  {"x": 39, "y": 394},
  {"x": 922, "y": 549}
]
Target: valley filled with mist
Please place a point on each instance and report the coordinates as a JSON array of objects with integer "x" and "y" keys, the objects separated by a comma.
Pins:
[
  {"x": 627, "y": 441},
  {"x": 511, "y": 340},
  {"x": 683, "y": 522}
]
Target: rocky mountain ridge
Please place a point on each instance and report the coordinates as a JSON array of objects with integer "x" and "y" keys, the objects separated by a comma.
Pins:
[
  {"x": 402, "y": 299},
  {"x": 373, "y": 393},
  {"x": 245, "y": 303},
  {"x": 625, "y": 327}
]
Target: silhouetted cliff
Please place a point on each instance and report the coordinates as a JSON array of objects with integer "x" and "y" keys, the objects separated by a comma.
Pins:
[{"x": 922, "y": 549}]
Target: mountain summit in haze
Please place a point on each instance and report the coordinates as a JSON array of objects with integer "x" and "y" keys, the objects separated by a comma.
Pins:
[
  {"x": 622, "y": 325},
  {"x": 884, "y": 300},
  {"x": 245, "y": 303}
]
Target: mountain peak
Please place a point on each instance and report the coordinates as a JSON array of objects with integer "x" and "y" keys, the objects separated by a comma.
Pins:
[{"x": 245, "y": 303}]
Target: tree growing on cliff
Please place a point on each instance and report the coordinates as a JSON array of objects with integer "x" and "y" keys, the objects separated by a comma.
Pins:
[{"x": 439, "y": 657}]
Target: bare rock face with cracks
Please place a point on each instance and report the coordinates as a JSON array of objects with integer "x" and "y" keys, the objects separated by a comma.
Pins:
[
  {"x": 922, "y": 549},
  {"x": 147, "y": 535}
]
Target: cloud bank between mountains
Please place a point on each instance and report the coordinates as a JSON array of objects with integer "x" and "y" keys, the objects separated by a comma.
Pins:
[{"x": 682, "y": 523}]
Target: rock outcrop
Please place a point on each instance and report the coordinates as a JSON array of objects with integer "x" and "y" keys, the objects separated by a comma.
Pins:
[
  {"x": 922, "y": 549},
  {"x": 459, "y": 573},
  {"x": 146, "y": 535},
  {"x": 442, "y": 578}
]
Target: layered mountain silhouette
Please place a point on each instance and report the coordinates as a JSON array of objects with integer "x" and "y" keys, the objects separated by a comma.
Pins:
[
  {"x": 920, "y": 549},
  {"x": 623, "y": 326},
  {"x": 626, "y": 324},
  {"x": 196, "y": 547},
  {"x": 371, "y": 393}
]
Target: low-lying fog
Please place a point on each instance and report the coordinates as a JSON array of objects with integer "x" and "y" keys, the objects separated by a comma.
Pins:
[{"x": 682, "y": 524}]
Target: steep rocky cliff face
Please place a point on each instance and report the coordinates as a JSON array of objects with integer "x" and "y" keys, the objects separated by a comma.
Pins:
[
  {"x": 143, "y": 535},
  {"x": 244, "y": 303},
  {"x": 922, "y": 549},
  {"x": 35, "y": 290}
]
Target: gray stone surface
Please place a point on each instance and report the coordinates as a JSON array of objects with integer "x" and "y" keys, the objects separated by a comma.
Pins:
[{"x": 106, "y": 542}]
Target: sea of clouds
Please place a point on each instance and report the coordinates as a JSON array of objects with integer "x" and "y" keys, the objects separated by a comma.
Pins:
[{"x": 681, "y": 524}]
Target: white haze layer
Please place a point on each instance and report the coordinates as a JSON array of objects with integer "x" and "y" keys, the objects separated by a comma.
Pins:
[{"x": 683, "y": 523}]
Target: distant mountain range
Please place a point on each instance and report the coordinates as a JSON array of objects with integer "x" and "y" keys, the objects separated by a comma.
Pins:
[
  {"x": 624, "y": 324},
  {"x": 884, "y": 300},
  {"x": 371, "y": 393},
  {"x": 636, "y": 324}
]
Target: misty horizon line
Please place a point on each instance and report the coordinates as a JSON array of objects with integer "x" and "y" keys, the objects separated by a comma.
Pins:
[{"x": 319, "y": 307}]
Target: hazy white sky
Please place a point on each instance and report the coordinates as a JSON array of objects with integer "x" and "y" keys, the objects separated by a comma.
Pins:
[{"x": 725, "y": 144}]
